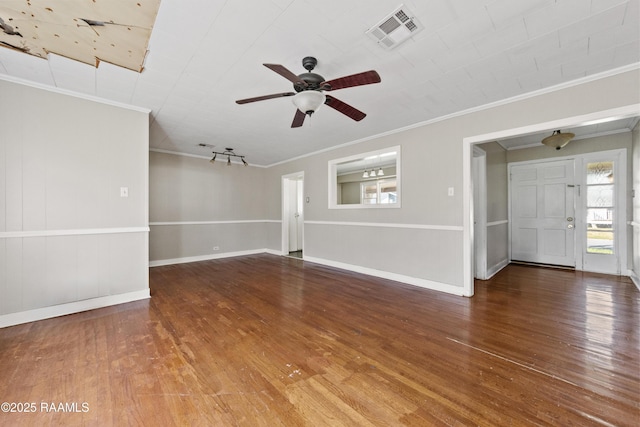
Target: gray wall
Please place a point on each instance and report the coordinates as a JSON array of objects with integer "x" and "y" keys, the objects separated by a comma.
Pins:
[
  {"x": 68, "y": 241},
  {"x": 196, "y": 205}
]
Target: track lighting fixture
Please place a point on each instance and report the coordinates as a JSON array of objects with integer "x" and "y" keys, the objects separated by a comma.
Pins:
[{"x": 229, "y": 153}]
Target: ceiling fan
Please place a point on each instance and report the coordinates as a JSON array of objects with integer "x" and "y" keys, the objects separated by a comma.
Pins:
[{"x": 309, "y": 88}]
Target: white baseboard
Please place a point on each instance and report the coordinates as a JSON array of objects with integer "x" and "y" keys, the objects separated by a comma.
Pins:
[
  {"x": 208, "y": 257},
  {"x": 70, "y": 308},
  {"x": 634, "y": 278},
  {"x": 423, "y": 283},
  {"x": 496, "y": 268},
  {"x": 428, "y": 284}
]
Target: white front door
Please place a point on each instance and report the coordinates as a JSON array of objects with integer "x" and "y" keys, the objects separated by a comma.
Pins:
[{"x": 542, "y": 212}]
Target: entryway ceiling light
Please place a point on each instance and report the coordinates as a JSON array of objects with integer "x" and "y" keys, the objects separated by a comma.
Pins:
[{"x": 558, "y": 139}]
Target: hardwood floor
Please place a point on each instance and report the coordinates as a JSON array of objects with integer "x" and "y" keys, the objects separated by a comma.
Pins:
[{"x": 274, "y": 341}]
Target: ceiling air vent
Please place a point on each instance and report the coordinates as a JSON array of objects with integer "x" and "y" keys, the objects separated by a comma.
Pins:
[{"x": 395, "y": 28}]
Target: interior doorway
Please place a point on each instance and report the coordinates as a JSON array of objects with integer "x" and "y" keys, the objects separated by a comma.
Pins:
[
  {"x": 293, "y": 215},
  {"x": 468, "y": 232}
]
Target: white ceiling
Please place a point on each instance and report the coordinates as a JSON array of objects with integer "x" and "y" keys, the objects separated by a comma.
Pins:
[{"x": 205, "y": 54}]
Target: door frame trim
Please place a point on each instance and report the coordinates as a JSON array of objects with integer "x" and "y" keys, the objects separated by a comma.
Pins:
[
  {"x": 480, "y": 212},
  {"x": 467, "y": 154},
  {"x": 296, "y": 176}
]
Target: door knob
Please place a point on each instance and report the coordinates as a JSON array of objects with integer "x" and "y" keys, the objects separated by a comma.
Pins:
[{"x": 570, "y": 226}]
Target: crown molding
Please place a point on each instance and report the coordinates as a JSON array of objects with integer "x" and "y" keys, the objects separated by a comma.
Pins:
[{"x": 79, "y": 95}]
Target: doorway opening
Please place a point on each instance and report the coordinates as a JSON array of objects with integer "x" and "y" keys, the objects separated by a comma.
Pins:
[
  {"x": 293, "y": 215},
  {"x": 469, "y": 252}
]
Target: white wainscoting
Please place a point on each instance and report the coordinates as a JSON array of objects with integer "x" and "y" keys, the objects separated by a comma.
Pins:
[{"x": 49, "y": 273}]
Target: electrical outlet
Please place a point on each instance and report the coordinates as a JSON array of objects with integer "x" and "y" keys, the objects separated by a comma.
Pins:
[
  {"x": 450, "y": 191},
  {"x": 124, "y": 191},
  {"x": 216, "y": 248}
]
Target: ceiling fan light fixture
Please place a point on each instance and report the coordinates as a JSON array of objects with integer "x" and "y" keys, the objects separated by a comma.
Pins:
[
  {"x": 308, "y": 101},
  {"x": 558, "y": 139}
]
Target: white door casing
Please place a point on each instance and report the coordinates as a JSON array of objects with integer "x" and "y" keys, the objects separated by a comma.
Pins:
[
  {"x": 479, "y": 172},
  {"x": 292, "y": 219},
  {"x": 296, "y": 218}
]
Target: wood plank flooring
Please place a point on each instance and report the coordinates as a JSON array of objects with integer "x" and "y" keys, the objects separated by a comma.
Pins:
[{"x": 273, "y": 341}]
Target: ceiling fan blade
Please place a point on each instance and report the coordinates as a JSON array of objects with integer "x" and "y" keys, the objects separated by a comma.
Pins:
[
  {"x": 284, "y": 72},
  {"x": 360, "y": 79},
  {"x": 264, "y": 97},
  {"x": 345, "y": 109},
  {"x": 298, "y": 119}
]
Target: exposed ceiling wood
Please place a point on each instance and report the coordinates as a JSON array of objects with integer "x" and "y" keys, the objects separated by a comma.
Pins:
[{"x": 87, "y": 31}]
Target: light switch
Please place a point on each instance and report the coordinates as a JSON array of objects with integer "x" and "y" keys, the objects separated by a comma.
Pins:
[
  {"x": 450, "y": 191},
  {"x": 124, "y": 191}
]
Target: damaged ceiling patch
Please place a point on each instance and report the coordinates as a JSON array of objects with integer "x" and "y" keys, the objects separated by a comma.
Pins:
[{"x": 88, "y": 31}]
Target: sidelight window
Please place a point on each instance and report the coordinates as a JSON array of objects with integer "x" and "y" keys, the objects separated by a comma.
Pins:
[{"x": 600, "y": 208}]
